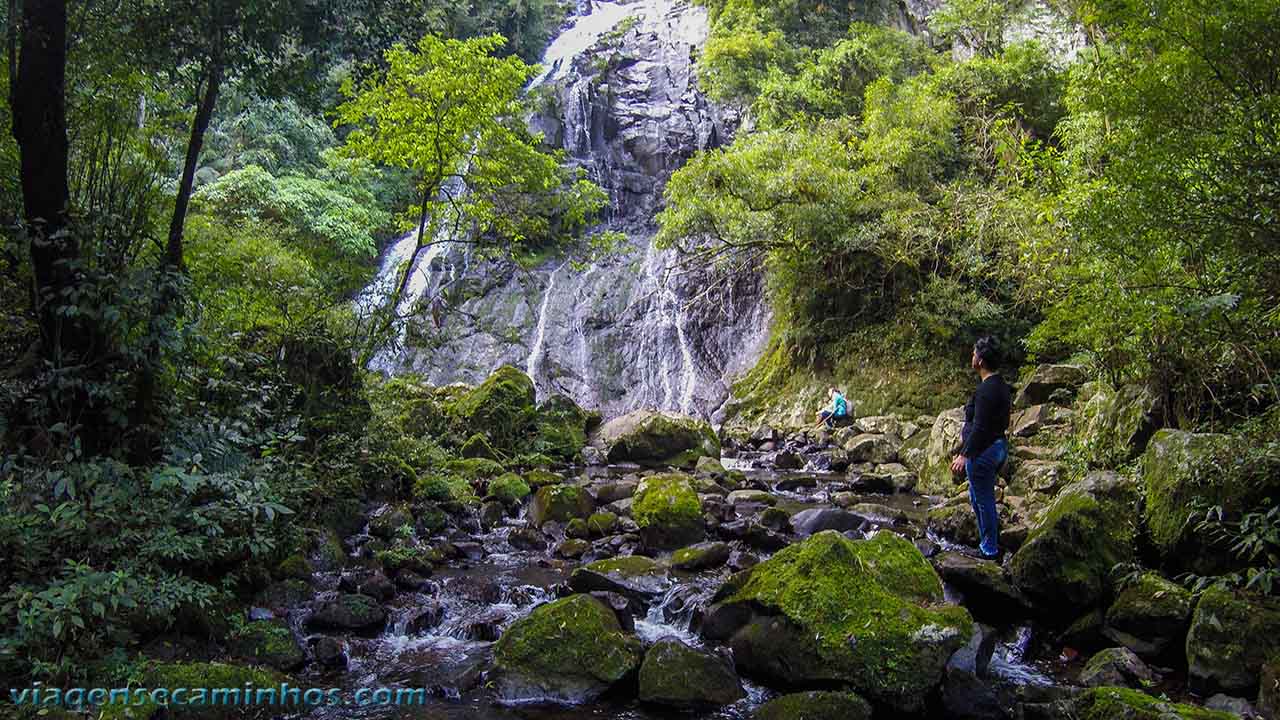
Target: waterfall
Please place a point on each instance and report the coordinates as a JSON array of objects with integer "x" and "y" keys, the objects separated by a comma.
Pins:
[{"x": 626, "y": 330}]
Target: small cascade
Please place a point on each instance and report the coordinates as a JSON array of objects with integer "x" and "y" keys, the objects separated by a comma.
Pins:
[{"x": 537, "y": 352}]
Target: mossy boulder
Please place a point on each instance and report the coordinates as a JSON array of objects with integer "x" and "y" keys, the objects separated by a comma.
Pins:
[
  {"x": 294, "y": 567},
  {"x": 816, "y": 705},
  {"x": 207, "y": 685},
  {"x": 602, "y": 523},
  {"x": 656, "y": 439},
  {"x": 1117, "y": 667},
  {"x": 1046, "y": 380},
  {"x": 501, "y": 407},
  {"x": 710, "y": 466},
  {"x": 1150, "y": 617},
  {"x": 676, "y": 675},
  {"x": 703, "y": 556},
  {"x": 560, "y": 503},
  {"x": 569, "y": 651},
  {"x": 866, "y": 615},
  {"x": 509, "y": 489},
  {"x": 475, "y": 470},
  {"x": 268, "y": 643},
  {"x": 668, "y": 511},
  {"x": 539, "y": 478},
  {"x": 634, "y": 576},
  {"x": 1065, "y": 565},
  {"x": 1184, "y": 471},
  {"x": 935, "y": 476},
  {"x": 348, "y": 611},
  {"x": 477, "y": 446},
  {"x": 1113, "y": 426},
  {"x": 562, "y": 428},
  {"x": 1113, "y": 703},
  {"x": 1232, "y": 635},
  {"x": 386, "y": 524}
]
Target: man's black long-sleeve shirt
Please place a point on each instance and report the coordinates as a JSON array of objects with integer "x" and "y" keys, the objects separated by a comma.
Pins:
[{"x": 986, "y": 416}]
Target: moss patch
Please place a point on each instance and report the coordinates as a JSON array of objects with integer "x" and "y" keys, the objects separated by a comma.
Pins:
[
  {"x": 268, "y": 643},
  {"x": 1113, "y": 703},
  {"x": 201, "y": 679},
  {"x": 815, "y": 706},
  {"x": 501, "y": 407},
  {"x": 560, "y": 503},
  {"x": 667, "y": 510},
  {"x": 509, "y": 488}
]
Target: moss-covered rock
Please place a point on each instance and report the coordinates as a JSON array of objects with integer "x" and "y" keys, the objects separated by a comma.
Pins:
[
  {"x": 1046, "y": 380},
  {"x": 634, "y": 576},
  {"x": 1185, "y": 471},
  {"x": 560, "y": 503},
  {"x": 703, "y": 556},
  {"x": 208, "y": 687},
  {"x": 710, "y": 466},
  {"x": 656, "y": 439},
  {"x": 442, "y": 488},
  {"x": 1114, "y": 426},
  {"x": 509, "y": 489},
  {"x": 294, "y": 567},
  {"x": 539, "y": 478},
  {"x": 817, "y": 705},
  {"x": 668, "y": 511},
  {"x": 386, "y": 524},
  {"x": 676, "y": 675},
  {"x": 348, "y": 611},
  {"x": 1231, "y": 637},
  {"x": 477, "y": 446},
  {"x": 1112, "y": 703},
  {"x": 568, "y": 651},
  {"x": 864, "y": 614},
  {"x": 1117, "y": 667},
  {"x": 561, "y": 428},
  {"x": 1064, "y": 567},
  {"x": 268, "y": 643},
  {"x": 935, "y": 476},
  {"x": 501, "y": 407},
  {"x": 1150, "y": 617},
  {"x": 602, "y": 523}
]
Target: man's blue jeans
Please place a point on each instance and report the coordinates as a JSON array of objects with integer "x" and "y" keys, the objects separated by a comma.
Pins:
[{"x": 982, "y": 494}]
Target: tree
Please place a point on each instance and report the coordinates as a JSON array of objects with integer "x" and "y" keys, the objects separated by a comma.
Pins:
[{"x": 450, "y": 112}]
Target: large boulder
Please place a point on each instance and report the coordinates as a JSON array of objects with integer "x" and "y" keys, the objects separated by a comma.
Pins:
[
  {"x": 1045, "y": 380},
  {"x": 656, "y": 439},
  {"x": 501, "y": 407},
  {"x": 569, "y": 651},
  {"x": 1115, "y": 425},
  {"x": 815, "y": 705},
  {"x": 1231, "y": 637},
  {"x": 348, "y": 611},
  {"x": 562, "y": 428},
  {"x": 1114, "y": 703},
  {"x": 1183, "y": 471},
  {"x": 676, "y": 675},
  {"x": 874, "y": 448},
  {"x": 984, "y": 585},
  {"x": 268, "y": 643},
  {"x": 1117, "y": 667},
  {"x": 829, "y": 611},
  {"x": 668, "y": 511},
  {"x": 560, "y": 503},
  {"x": 633, "y": 576},
  {"x": 944, "y": 442},
  {"x": 1065, "y": 565},
  {"x": 1150, "y": 617}
]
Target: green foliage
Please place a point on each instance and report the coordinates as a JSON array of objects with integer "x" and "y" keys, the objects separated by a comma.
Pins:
[{"x": 979, "y": 24}]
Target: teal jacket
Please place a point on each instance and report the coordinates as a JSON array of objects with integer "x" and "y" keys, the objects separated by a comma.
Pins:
[{"x": 839, "y": 406}]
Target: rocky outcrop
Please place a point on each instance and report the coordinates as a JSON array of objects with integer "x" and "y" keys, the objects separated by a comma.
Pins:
[
  {"x": 1150, "y": 617},
  {"x": 1185, "y": 471},
  {"x": 1064, "y": 567},
  {"x": 1114, "y": 426},
  {"x": 935, "y": 477},
  {"x": 656, "y": 439},
  {"x": 1230, "y": 639},
  {"x": 1046, "y": 381},
  {"x": 676, "y": 675},
  {"x": 569, "y": 651},
  {"x": 865, "y": 615}
]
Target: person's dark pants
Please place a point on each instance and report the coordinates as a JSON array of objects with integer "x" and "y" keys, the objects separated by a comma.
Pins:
[
  {"x": 829, "y": 418},
  {"x": 982, "y": 494}
]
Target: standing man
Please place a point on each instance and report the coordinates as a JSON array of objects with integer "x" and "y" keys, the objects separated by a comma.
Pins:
[{"x": 986, "y": 420}]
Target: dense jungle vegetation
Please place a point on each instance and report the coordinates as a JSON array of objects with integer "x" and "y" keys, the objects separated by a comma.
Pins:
[{"x": 194, "y": 192}]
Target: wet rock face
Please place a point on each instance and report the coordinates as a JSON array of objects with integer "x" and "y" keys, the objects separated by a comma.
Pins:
[{"x": 631, "y": 330}]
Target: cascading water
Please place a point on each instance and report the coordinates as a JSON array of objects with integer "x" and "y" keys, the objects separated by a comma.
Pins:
[{"x": 629, "y": 330}]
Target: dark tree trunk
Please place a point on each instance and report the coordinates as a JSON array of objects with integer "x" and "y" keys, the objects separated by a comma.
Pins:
[
  {"x": 173, "y": 248},
  {"x": 40, "y": 128}
]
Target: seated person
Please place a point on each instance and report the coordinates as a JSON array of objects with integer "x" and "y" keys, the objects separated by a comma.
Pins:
[{"x": 839, "y": 409}]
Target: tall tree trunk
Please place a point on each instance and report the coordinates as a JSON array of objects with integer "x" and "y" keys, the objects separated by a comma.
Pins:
[
  {"x": 173, "y": 262},
  {"x": 173, "y": 248},
  {"x": 40, "y": 128}
]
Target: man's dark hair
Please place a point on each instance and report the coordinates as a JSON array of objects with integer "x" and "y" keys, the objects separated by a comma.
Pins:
[{"x": 988, "y": 352}]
